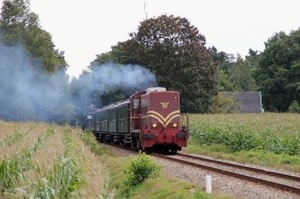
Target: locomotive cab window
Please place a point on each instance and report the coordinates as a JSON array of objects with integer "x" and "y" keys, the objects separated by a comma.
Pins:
[{"x": 136, "y": 103}]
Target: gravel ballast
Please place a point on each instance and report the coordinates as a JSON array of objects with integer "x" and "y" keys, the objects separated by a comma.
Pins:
[{"x": 220, "y": 183}]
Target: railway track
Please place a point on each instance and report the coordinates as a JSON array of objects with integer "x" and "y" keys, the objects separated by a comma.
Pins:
[
  {"x": 282, "y": 181},
  {"x": 278, "y": 180}
]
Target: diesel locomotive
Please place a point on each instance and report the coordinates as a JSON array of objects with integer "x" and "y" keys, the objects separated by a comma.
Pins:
[{"x": 149, "y": 121}]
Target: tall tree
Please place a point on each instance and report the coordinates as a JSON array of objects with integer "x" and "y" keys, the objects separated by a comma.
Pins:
[
  {"x": 175, "y": 51},
  {"x": 115, "y": 55},
  {"x": 241, "y": 75},
  {"x": 224, "y": 84},
  {"x": 18, "y": 25},
  {"x": 224, "y": 63},
  {"x": 278, "y": 72},
  {"x": 14, "y": 19},
  {"x": 33, "y": 82},
  {"x": 252, "y": 57},
  {"x": 223, "y": 60}
]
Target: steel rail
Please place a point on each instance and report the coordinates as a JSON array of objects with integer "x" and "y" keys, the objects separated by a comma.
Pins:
[{"x": 233, "y": 174}]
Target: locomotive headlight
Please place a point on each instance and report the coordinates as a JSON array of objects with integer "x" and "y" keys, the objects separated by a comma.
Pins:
[
  {"x": 154, "y": 125},
  {"x": 174, "y": 125}
]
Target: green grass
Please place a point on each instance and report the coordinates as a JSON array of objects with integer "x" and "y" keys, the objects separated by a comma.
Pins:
[{"x": 157, "y": 188}]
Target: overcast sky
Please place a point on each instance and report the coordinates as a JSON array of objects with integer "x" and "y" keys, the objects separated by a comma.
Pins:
[{"x": 85, "y": 28}]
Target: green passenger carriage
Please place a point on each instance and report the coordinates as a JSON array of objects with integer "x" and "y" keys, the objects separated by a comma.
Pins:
[{"x": 149, "y": 120}]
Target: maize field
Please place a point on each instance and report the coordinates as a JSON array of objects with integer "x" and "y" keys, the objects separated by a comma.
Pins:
[
  {"x": 39, "y": 160},
  {"x": 49, "y": 161},
  {"x": 273, "y": 132}
]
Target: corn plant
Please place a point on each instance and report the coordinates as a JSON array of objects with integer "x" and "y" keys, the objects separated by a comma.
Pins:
[
  {"x": 90, "y": 141},
  {"x": 16, "y": 136},
  {"x": 64, "y": 178},
  {"x": 278, "y": 133},
  {"x": 12, "y": 169}
]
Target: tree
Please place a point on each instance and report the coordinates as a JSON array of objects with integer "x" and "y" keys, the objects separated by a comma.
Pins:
[
  {"x": 224, "y": 63},
  {"x": 241, "y": 75},
  {"x": 39, "y": 43},
  {"x": 14, "y": 19},
  {"x": 175, "y": 51},
  {"x": 252, "y": 57},
  {"x": 278, "y": 72},
  {"x": 224, "y": 84},
  {"x": 223, "y": 60},
  {"x": 33, "y": 82},
  {"x": 115, "y": 56},
  {"x": 18, "y": 25}
]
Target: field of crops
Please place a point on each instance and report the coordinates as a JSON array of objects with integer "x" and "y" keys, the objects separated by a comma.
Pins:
[
  {"x": 39, "y": 160},
  {"x": 51, "y": 161},
  {"x": 48, "y": 161},
  {"x": 278, "y": 133}
]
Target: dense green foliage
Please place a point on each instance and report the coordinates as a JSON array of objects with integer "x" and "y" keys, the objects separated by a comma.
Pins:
[
  {"x": 115, "y": 55},
  {"x": 158, "y": 45},
  {"x": 294, "y": 107},
  {"x": 140, "y": 169},
  {"x": 234, "y": 74},
  {"x": 34, "y": 82},
  {"x": 241, "y": 75},
  {"x": 224, "y": 102},
  {"x": 278, "y": 71},
  {"x": 175, "y": 52},
  {"x": 224, "y": 63},
  {"x": 18, "y": 25}
]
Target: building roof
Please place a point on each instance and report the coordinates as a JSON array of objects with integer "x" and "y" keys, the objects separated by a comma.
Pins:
[{"x": 250, "y": 102}]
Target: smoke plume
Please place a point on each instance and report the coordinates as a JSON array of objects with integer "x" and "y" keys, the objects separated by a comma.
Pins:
[{"x": 27, "y": 93}]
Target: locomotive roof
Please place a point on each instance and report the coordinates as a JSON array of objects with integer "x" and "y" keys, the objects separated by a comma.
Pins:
[
  {"x": 127, "y": 101},
  {"x": 148, "y": 90}
]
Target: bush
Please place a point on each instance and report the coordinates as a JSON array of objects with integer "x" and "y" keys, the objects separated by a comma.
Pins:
[
  {"x": 294, "y": 107},
  {"x": 140, "y": 169},
  {"x": 224, "y": 102}
]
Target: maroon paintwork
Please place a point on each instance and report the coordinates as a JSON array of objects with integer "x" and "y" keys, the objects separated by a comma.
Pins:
[
  {"x": 158, "y": 113},
  {"x": 135, "y": 111}
]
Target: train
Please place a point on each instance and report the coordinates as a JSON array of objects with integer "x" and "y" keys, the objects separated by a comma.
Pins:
[{"x": 149, "y": 120}]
